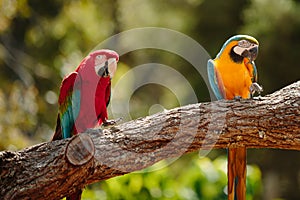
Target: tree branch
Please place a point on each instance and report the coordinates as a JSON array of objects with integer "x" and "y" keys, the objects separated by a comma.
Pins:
[{"x": 54, "y": 169}]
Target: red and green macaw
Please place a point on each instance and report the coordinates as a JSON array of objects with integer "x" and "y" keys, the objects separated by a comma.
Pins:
[
  {"x": 233, "y": 75},
  {"x": 85, "y": 95}
]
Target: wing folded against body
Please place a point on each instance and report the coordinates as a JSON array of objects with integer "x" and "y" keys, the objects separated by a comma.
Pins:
[
  {"x": 215, "y": 80},
  {"x": 68, "y": 106}
]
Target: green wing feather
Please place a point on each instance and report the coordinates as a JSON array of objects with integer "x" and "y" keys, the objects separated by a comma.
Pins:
[{"x": 69, "y": 104}]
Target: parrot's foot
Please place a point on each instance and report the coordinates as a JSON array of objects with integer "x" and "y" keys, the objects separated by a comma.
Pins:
[
  {"x": 237, "y": 98},
  {"x": 255, "y": 87},
  {"x": 258, "y": 98},
  {"x": 111, "y": 122}
]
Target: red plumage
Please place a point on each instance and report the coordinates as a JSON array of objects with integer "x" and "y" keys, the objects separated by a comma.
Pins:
[{"x": 84, "y": 96}]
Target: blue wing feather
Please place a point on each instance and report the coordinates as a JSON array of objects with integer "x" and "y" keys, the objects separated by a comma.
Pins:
[
  {"x": 69, "y": 103},
  {"x": 76, "y": 103},
  {"x": 67, "y": 123},
  {"x": 213, "y": 80}
]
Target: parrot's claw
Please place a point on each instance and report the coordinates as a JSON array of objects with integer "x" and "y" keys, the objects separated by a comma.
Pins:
[
  {"x": 109, "y": 123},
  {"x": 258, "y": 98},
  {"x": 255, "y": 87},
  {"x": 237, "y": 98},
  {"x": 112, "y": 122}
]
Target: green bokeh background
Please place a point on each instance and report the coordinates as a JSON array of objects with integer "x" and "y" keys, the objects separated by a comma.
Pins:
[{"x": 42, "y": 41}]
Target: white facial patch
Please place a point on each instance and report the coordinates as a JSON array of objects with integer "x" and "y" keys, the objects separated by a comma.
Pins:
[
  {"x": 238, "y": 50},
  {"x": 99, "y": 63},
  {"x": 97, "y": 68},
  {"x": 99, "y": 59}
]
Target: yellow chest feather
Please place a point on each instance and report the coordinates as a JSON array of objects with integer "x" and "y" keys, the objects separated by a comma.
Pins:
[{"x": 236, "y": 78}]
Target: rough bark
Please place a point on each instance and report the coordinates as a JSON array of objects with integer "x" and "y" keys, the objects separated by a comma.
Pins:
[{"x": 44, "y": 171}]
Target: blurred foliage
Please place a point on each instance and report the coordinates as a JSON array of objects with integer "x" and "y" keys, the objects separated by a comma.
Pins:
[
  {"x": 42, "y": 41},
  {"x": 277, "y": 25},
  {"x": 190, "y": 178}
]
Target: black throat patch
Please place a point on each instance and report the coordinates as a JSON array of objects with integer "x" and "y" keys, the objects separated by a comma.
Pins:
[{"x": 235, "y": 57}]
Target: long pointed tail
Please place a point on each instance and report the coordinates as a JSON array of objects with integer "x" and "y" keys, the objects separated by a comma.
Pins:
[
  {"x": 237, "y": 173},
  {"x": 57, "y": 134}
]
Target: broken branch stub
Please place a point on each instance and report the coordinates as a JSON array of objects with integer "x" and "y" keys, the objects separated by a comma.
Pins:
[{"x": 80, "y": 149}]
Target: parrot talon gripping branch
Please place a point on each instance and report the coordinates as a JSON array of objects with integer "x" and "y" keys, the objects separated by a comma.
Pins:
[
  {"x": 112, "y": 122},
  {"x": 233, "y": 75},
  {"x": 255, "y": 87},
  {"x": 83, "y": 100}
]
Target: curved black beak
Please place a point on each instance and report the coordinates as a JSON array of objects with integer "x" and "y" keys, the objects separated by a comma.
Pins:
[
  {"x": 103, "y": 70},
  {"x": 251, "y": 53}
]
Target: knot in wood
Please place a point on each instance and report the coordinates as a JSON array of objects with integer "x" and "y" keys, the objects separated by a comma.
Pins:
[{"x": 80, "y": 149}]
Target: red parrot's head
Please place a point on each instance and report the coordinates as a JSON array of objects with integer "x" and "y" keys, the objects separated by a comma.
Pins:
[{"x": 104, "y": 62}]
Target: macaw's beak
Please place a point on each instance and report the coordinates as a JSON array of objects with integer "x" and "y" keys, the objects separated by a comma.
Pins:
[
  {"x": 109, "y": 68},
  {"x": 112, "y": 67},
  {"x": 102, "y": 70},
  {"x": 250, "y": 53}
]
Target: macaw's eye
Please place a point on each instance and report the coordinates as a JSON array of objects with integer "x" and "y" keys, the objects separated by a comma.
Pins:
[
  {"x": 244, "y": 44},
  {"x": 99, "y": 57}
]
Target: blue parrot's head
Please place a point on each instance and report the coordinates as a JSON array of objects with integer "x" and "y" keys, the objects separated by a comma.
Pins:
[{"x": 239, "y": 47}]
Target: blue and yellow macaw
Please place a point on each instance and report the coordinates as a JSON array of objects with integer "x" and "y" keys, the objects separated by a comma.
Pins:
[{"x": 233, "y": 75}]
